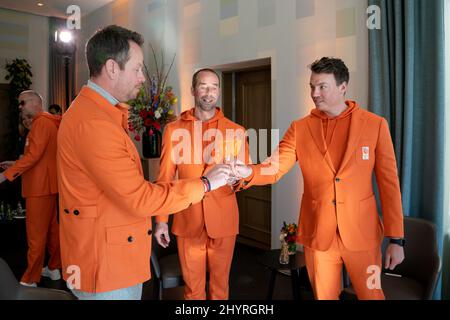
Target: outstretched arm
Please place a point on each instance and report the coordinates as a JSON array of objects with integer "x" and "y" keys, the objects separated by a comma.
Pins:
[
  {"x": 38, "y": 139},
  {"x": 273, "y": 168}
]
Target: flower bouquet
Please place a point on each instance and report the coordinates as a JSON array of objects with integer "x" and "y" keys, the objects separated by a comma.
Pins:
[
  {"x": 152, "y": 108},
  {"x": 289, "y": 236}
]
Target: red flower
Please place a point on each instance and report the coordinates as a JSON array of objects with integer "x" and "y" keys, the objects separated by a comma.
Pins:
[
  {"x": 137, "y": 137},
  {"x": 143, "y": 114},
  {"x": 150, "y": 131},
  {"x": 290, "y": 238},
  {"x": 148, "y": 122},
  {"x": 157, "y": 126},
  {"x": 130, "y": 127}
]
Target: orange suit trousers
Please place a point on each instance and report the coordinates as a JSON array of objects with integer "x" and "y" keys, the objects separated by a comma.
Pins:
[
  {"x": 42, "y": 232},
  {"x": 201, "y": 254},
  {"x": 325, "y": 271}
]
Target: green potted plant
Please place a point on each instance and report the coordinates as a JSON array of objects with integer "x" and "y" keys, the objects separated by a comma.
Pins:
[{"x": 19, "y": 77}]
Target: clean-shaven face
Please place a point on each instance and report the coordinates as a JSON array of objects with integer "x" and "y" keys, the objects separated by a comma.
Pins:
[
  {"x": 27, "y": 118},
  {"x": 132, "y": 77},
  {"x": 29, "y": 106},
  {"x": 325, "y": 93}
]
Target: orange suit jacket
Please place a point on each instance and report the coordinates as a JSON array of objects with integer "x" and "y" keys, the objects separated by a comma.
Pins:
[
  {"x": 38, "y": 164},
  {"x": 342, "y": 198},
  {"x": 105, "y": 202},
  {"x": 218, "y": 212}
]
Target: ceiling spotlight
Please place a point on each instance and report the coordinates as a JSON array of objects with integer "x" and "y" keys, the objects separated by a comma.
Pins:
[
  {"x": 65, "y": 42},
  {"x": 40, "y": 4},
  {"x": 65, "y": 36}
]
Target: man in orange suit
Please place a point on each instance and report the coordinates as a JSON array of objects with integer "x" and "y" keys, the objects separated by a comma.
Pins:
[
  {"x": 339, "y": 146},
  {"x": 206, "y": 232},
  {"x": 105, "y": 203},
  {"x": 39, "y": 187}
]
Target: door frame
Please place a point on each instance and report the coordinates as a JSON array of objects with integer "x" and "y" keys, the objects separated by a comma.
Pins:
[{"x": 228, "y": 96}]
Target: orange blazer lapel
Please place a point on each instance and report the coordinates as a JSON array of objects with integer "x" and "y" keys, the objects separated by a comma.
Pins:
[{"x": 357, "y": 125}]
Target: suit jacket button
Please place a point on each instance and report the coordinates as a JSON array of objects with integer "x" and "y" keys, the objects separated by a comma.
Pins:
[
  {"x": 66, "y": 211},
  {"x": 130, "y": 239},
  {"x": 76, "y": 212},
  {"x": 334, "y": 202},
  {"x": 150, "y": 232},
  {"x": 338, "y": 180}
]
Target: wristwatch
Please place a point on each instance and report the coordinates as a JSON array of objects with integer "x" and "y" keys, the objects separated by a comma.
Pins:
[
  {"x": 206, "y": 183},
  {"x": 400, "y": 242}
]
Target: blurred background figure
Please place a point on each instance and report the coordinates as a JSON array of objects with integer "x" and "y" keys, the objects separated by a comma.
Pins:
[
  {"x": 39, "y": 187},
  {"x": 24, "y": 128},
  {"x": 55, "y": 109}
]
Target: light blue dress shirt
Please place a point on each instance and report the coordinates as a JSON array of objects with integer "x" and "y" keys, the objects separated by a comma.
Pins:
[{"x": 105, "y": 94}]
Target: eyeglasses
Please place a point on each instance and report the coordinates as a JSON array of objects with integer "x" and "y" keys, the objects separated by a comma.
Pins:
[{"x": 22, "y": 103}]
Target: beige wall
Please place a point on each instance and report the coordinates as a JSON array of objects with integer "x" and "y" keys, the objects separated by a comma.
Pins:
[
  {"x": 292, "y": 33},
  {"x": 25, "y": 36}
]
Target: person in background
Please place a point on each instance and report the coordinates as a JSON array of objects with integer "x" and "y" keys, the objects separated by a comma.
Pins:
[
  {"x": 39, "y": 187},
  {"x": 55, "y": 109},
  {"x": 23, "y": 132}
]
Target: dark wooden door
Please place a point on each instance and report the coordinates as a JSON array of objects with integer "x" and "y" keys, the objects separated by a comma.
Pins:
[
  {"x": 9, "y": 191},
  {"x": 5, "y": 122},
  {"x": 247, "y": 101}
]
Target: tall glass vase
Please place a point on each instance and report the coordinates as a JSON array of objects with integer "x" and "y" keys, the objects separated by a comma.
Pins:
[
  {"x": 284, "y": 253},
  {"x": 151, "y": 144}
]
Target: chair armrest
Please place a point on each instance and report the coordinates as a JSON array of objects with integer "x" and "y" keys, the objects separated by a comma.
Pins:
[{"x": 155, "y": 264}]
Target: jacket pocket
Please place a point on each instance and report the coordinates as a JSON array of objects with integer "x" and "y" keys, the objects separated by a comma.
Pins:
[
  {"x": 128, "y": 248},
  {"x": 79, "y": 239},
  {"x": 83, "y": 212},
  {"x": 308, "y": 217},
  {"x": 369, "y": 221},
  {"x": 227, "y": 208}
]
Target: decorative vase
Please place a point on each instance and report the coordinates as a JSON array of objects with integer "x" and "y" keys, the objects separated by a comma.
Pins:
[
  {"x": 151, "y": 144},
  {"x": 284, "y": 254}
]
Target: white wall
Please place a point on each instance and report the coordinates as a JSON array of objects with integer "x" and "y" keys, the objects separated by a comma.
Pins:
[
  {"x": 24, "y": 35},
  {"x": 293, "y": 33}
]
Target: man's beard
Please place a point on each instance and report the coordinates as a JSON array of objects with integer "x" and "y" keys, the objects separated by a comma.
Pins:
[{"x": 205, "y": 106}]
